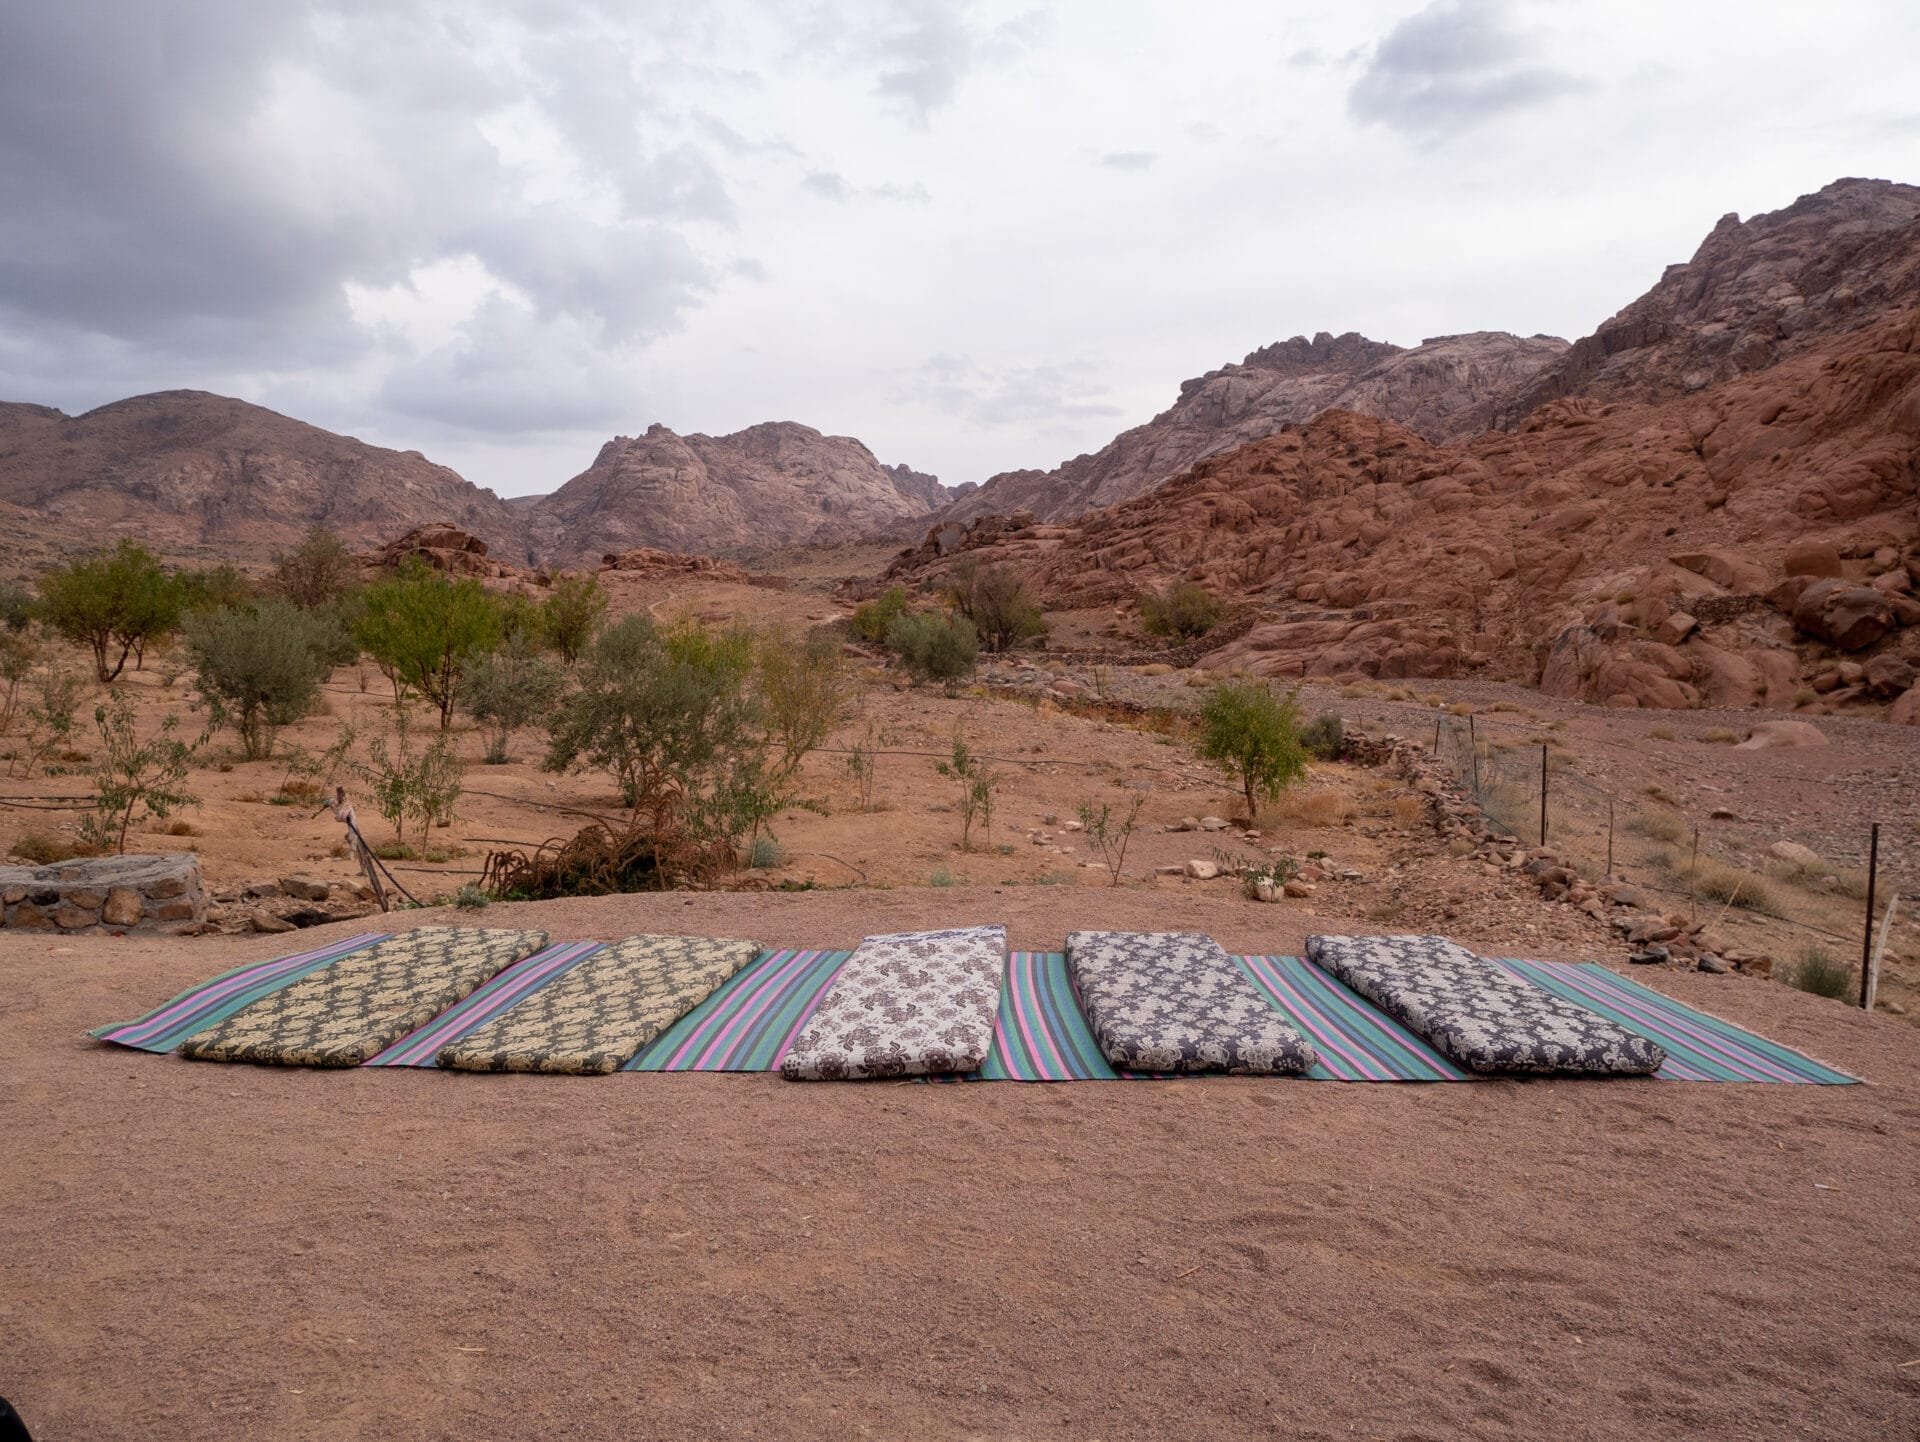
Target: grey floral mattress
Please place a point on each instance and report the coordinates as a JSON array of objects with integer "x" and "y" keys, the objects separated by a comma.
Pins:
[
  {"x": 905, "y": 1005},
  {"x": 1480, "y": 1014},
  {"x": 1175, "y": 1002}
]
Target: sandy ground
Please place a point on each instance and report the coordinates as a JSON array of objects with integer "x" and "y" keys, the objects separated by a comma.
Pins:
[{"x": 230, "y": 1252}]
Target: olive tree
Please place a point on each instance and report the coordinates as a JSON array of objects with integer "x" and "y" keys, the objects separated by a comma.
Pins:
[
  {"x": 114, "y": 602},
  {"x": 423, "y": 629},
  {"x": 259, "y": 668}
]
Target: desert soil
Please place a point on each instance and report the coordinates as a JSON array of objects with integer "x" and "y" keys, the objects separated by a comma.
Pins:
[{"x": 197, "y": 1251}]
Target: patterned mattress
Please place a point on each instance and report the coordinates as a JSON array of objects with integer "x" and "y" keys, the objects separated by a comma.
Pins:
[
  {"x": 347, "y": 1011},
  {"x": 906, "y": 1005},
  {"x": 1175, "y": 1002},
  {"x": 596, "y": 1015},
  {"x": 1478, "y": 1013}
]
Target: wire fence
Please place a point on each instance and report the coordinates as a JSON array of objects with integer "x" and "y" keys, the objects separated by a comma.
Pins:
[{"x": 1787, "y": 900}]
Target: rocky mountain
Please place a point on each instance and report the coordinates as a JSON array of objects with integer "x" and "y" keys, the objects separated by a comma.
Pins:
[
  {"x": 773, "y": 484},
  {"x": 185, "y": 469},
  {"x": 1757, "y": 539},
  {"x": 1754, "y": 294},
  {"x": 1444, "y": 389}
]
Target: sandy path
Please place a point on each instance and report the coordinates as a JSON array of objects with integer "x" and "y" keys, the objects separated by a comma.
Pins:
[{"x": 229, "y": 1252}]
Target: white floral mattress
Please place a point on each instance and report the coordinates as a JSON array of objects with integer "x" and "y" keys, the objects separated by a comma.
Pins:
[{"x": 911, "y": 1004}]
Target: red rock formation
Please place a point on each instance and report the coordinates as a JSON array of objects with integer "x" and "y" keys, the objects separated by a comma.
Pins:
[
  {"x": 1633, "y": 554},
  {"x": 448, "y": 548},
  {"x": 1445, "y": 389}
]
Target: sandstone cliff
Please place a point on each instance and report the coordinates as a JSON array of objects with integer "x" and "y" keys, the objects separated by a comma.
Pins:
[
  {"x": 773, "y": 484},
  {"x": 184, "y": 469},
  {"x": 1754, "y": 294},
  {"x": 1445, "y": 389}
]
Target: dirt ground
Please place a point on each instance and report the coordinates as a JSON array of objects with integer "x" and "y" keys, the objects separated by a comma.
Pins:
[{"x": 197, "y": 1251}]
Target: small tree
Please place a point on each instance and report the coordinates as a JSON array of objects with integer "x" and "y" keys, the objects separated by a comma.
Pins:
[
  {"x": 804, "y": 694},
  {"x": 49, "y": 702},
  {"x": 315, "y": 575},
  {"x": 424, "y": 628},
  {"x": 934, "y": 647},
  {"x": 18, "y": 653},
  {"x": 1253, "y": 736},
  {"x": 872, "y": 619},
  {"x": 260, "y": 668},
  {"x": 995, "y": 599},
  {"x": 112, "y": 602},
  {"x": 663, "y": 712},
  {"x": 976, "y": 784},
  {"x": 135, "y": 779},
  {"x": 570, "y": 614},
  {"x": 411, "y": 784},
  {"x": 514, "y": 687},
  {"x": 1185, "y": 609},
  {"x": 1110, "y": 834},
  {"x": 862, "y": 758}
]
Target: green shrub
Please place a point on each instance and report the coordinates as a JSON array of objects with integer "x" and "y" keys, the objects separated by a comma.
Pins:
[
  {"x": 260, "y": 668},
  {"x": 934, "y": 647},
  {"x": 872, "y": 619},
  {"x": 411, "y": 784},
  {"x": 16, "y": 607},
  {"x": 570, "y": 614},
  {"x": 804, "y": 693},
  {"x": 1323, "y": 736},
  {"x": 134, "y": 779},
  {"x": 1253, "y": 736},
  {"x": 995, "y": 599},
  {"x": 512, "y": 688},
  {"x": 424, "y": 628},
  {"x": 765, "y": 853},
  {"x": 113, "y": 602},
  {"x": 471, "y": 897},
  {"x": 1184, "y": 610},
  {"x": 212, "y": 589},
  {"x": 1820, "y": 974},
  {"x": 315, "y": 575}
]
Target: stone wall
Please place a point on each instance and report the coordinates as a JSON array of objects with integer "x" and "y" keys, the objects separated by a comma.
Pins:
[{"x": 113, "y": 893}]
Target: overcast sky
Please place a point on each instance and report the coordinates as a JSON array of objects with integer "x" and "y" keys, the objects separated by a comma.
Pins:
[{"x": 976, "y": 236}]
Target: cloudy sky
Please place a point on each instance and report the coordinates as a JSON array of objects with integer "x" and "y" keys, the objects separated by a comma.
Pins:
[{"x": 975, "y": 235}]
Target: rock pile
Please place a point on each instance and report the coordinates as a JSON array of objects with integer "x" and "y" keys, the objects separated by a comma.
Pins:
[
  {"x": 111, "y": 893},
  {"x": 447, "y": 548}
]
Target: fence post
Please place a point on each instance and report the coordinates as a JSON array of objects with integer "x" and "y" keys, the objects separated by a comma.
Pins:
[
  {"x": 1437, "y": 716},
  {"x": 1473, "y": 743},
  {"x": 1693, "y": 873},
  {"x": 1866, "y": 945},
  {"x": 1609, "y": 838},
  {"x": 1543, "y": 793}
]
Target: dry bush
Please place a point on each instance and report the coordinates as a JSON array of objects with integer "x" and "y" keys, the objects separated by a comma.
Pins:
[
  {"x": 1662, "y": 733},
  {"x": 1850, "y": 881},
  {"x": 43, "y": 848},
  {"x": 1720, "y": 736},
  {"x": 1409, "y": 810},
  {"x": 1730, "y": 886},
  {"x": 1317, "y": 808},
  {"x": 180, "y": 828},
  {"x": 1659, "y": 825},
  {"x": 1460, "y": 708},
  {"x": 1506, "y": 706}
]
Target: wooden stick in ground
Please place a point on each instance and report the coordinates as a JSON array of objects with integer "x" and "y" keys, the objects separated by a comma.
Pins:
[{"x": 1879, "y": 949}]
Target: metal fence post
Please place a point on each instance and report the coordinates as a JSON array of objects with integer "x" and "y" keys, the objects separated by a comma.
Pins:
[{"x": 1543, "y": 793}]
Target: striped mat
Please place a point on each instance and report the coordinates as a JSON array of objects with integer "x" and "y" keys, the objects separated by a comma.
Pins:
[
  {"x": 1042, "y": 1036},
  {"x": 748, "y": 1024},
  {"x": 507, "y": 988},
  {"x": 212, "y": 1002}
]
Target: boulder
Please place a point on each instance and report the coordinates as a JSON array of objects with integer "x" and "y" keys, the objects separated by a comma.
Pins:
[
  {"x": 1906, "y": 711},
  {"x": 1812, "y": 558},
  {"x": 1889, "y": 675},
  {"x": 1676, "y": 628},
  {"x": 1724, "y": 568},
  {"x": 1849, "y": 617},
  {"x": 1774, "y": 735},
  {"x": 1794, "y": 852},
  {"x": 1203, "y": 870}
]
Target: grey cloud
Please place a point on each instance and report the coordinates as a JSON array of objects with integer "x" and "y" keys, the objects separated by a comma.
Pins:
[
  {"x": 834, "y": 186},
  {"x": 509, "y": 372},
  {"x": 1452, "y": 66},
  {"x": 160, "y": 189},
  {"x": 920, "y": 52},
  {"x": 995, "y": 396},
  {"x": 1129, "y": 159}
]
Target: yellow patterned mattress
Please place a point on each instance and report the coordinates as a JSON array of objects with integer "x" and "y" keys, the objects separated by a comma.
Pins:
[
  {"x": 347, "y": 1012},
  {"x": 594, "y": 1017}
]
